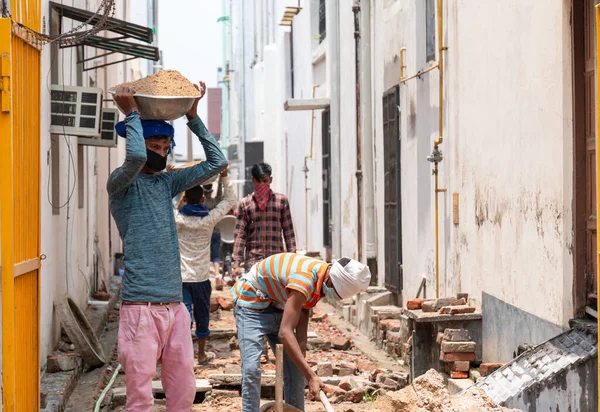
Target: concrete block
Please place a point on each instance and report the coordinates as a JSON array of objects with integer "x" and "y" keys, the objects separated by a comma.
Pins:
[
  {"x": 458, "y": 385},
  {"x": 466, "y": 347},
  {"x": 435, "y": 305},
  {"x": 456, "y": 335},
  {"x": 62, "y": 362}
]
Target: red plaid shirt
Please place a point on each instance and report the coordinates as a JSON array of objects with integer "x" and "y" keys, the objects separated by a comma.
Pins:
[{"x": 261, "y": 233}]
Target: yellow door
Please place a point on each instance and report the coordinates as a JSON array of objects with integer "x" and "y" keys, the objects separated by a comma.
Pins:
[{"x": 20, "y": 90}]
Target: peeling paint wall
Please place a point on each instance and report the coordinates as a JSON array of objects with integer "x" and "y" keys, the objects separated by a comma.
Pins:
[{"x": 507, "y": 151}]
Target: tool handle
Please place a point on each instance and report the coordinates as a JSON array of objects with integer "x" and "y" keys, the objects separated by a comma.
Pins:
[{"x": 325, "y": 402}]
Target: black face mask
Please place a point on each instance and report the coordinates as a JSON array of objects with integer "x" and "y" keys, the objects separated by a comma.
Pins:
[{"x": 155, "y": 161}]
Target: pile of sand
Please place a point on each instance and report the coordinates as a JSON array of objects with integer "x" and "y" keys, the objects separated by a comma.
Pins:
[
  {"x": 428, "y": 393},
  {"x": 163, "y": 83}
]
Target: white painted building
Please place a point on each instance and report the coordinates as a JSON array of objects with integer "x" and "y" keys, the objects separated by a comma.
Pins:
[
  {"x": 519, "y": 238},
  {"x": 78, "y": 235}
]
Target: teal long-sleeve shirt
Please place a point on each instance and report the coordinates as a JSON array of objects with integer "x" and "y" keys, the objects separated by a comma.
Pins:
[{"x": 142, "y": 207}]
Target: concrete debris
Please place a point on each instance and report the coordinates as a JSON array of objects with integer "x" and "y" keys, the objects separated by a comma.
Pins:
[
  {"x": 324, "y": 369},
  {"x": 428, "y": 394},
  {"x": 233, "y": 343},
  {"x": 62, "y": 362}
]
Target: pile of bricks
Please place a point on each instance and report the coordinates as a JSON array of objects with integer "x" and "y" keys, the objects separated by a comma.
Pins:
[
  {"x": 457, "y": 351},
  {"x": 448, "y": 306}
]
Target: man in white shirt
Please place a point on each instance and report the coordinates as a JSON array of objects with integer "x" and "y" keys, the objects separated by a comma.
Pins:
[{"x": 195, "y": 225}]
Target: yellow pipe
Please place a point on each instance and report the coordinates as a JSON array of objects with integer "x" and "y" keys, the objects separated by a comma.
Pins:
[
  {"x": 440, "y": 65},
  {"x": 437, "y": 142},
  {"x": 418, "y": 74},
  {"x": 598, "y": 159},
  {"x": 309, "y": 156}
]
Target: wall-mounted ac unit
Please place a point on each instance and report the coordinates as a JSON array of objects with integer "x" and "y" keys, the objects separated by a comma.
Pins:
[
  {"x": 75, "y": 110},
  {"x": 108, "y": 136}
]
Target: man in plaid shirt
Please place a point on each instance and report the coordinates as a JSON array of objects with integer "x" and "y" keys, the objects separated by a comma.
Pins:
[{"x": 264, "y": 222}]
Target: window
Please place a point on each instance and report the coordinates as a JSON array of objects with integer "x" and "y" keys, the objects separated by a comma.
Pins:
[
  {"x": 430, "y": 29},
  {"x": 392, "y": 189},
  {"x": 322, "y": 26}
]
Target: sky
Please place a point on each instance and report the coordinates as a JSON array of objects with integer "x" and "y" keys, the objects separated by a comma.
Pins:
[{"x": 190, "y": 39}]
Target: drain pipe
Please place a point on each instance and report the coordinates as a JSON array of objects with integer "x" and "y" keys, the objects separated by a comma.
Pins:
[
  {"x": 359, "y": 173},
  {"x": 436, "y": 156}
]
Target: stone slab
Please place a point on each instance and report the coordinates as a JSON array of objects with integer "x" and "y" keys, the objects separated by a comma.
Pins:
[{"x": 219, "y": 380}]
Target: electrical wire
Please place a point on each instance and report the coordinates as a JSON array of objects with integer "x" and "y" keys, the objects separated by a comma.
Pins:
[{"x": 74, "y": 36}]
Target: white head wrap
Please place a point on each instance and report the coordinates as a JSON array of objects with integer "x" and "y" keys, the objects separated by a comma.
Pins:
[{"x": 351, "y": 279}]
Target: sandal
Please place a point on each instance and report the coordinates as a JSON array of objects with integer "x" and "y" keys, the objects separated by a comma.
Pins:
[{"x": 210, "y": 356}]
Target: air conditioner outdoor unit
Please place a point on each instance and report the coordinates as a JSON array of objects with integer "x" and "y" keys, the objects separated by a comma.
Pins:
[
  {"x": 108, "y": 136},
  {"x": 75, "y": 110}
]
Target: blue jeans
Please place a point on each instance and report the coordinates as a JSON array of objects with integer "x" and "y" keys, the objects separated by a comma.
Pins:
[{"x": 252, "y": 326}]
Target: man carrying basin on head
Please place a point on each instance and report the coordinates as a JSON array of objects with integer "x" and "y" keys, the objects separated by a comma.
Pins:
[
  {"x": 272, "y": 300},
  {"x": 154, "y": 324}
]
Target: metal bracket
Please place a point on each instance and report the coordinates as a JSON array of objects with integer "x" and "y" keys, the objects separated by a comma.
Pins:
[{"x": 5, "y": 71}]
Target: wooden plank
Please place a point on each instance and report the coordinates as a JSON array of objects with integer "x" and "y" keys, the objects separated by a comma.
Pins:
[
  {"x": 591, "y": 312},
  {"x": 202, "y": 385},
  {"x": 279, "y": 378},
  {"x": 27, "y": 266}
]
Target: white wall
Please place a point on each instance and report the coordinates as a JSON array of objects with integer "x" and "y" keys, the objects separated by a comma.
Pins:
[
  {"x": 507, "y": 150},
  {"x": 72, "y": 239}
]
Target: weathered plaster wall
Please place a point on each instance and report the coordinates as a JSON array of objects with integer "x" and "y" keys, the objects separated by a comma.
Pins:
[{"x": 507, "y": 151}]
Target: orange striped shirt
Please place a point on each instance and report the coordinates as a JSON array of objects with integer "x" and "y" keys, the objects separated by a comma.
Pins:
[{"x": 276, "y": 276}]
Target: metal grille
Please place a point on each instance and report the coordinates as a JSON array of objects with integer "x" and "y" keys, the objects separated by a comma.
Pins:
[
  {"x": 326, "y": 154},
  {"x": 392, "y": 208},
  {"x": 322, "y": 20}
]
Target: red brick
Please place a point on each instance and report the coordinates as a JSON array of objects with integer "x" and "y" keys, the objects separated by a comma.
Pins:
[
  {"x": 462, "y": 366},
  {"x": 453, "y": 357},
  {"x": 355, "y": 395},
  {"x": 415, "y": 304},
  {"x": 487, "y": 368},
  {"x": 459, "y": 375},
  {"x": 319, "y": 317},
  {"x": 340, "y": 343},
  {"x": 459, "y": 302},
  {"x": 456, "y": 310},
  {"x": 218, "y": 283},
  {"x": 214, "y": 305},
  {"x": 333, "y": 390},
  {"x": 390, "y": 325},
  {"x": 224, "y": 303},
  {"x": 345, "y": 386}
]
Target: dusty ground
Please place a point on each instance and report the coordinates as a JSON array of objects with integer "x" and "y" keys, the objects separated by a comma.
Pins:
[{"x": 228, "y": 361}]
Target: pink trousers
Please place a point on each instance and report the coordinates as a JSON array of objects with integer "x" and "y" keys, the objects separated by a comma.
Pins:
[{"x": 157, "y": 334}]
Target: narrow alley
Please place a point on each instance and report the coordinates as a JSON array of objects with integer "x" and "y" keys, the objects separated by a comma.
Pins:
[{"x": 319, "y": 205}]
